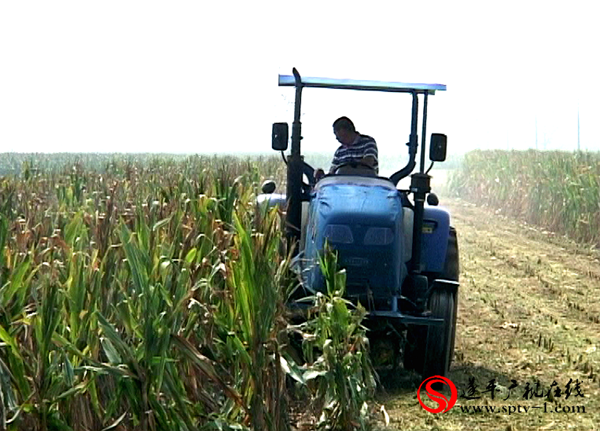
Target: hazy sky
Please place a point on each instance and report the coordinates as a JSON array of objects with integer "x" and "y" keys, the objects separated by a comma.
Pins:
[{"x": 194, "y": 76}]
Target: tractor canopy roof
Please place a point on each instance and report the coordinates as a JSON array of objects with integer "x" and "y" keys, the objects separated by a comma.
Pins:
[{"x": 353, "y": 84}]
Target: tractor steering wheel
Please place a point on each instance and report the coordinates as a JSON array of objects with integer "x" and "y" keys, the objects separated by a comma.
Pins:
[{"x": 355, "y": 165}]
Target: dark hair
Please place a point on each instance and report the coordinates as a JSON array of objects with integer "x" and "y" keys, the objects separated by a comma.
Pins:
[{"x": 344, "y": 123}]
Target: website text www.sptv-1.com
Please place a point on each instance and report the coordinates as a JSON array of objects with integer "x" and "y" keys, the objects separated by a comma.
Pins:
[
  {"x": 554, "y": 392},
  {"x": 517, "y": 409}
]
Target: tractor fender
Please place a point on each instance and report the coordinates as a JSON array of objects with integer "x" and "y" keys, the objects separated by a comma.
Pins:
[{"x": 436, "y": 230}]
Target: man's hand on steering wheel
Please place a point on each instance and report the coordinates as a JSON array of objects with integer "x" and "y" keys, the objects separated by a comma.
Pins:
[{"x": 319, "y": 173}]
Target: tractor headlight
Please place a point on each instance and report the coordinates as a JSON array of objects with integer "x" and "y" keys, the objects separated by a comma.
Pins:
[
  {"x": 379, "y": 236},
  {"x": 339, "y": 233}
]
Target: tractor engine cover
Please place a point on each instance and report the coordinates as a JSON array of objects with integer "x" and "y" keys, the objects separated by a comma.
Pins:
[{"x": 362, "y": 218}]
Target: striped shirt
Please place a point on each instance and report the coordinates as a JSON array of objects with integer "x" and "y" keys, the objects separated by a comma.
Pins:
[{"x": 362, "y": 146}]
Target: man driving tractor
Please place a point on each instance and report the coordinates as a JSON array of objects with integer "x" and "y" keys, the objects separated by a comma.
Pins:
[{"x": 355, "y": 149}]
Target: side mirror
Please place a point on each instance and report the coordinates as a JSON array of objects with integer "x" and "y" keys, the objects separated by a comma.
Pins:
[
  {"x": 437, "y": 147},
  {"x": 279, "y": 138}
]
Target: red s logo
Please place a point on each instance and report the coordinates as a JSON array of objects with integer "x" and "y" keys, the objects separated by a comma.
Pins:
[{"x": 443, "y": 404}]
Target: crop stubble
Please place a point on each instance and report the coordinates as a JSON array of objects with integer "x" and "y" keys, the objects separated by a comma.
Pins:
[{"x": 528, "y": 312}]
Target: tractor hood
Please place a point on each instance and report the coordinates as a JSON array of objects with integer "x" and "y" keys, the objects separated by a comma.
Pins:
[
  {"x": 357, "y": 200},
  {"x": 362, "y": 218}
]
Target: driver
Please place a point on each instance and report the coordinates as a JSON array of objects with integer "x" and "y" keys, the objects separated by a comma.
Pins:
[{"x": 355, "y": 148}]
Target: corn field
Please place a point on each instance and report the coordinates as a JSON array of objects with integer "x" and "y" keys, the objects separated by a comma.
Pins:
[
  {"x": 557, "y": 190},
  {"x": 145, "y": 293}
]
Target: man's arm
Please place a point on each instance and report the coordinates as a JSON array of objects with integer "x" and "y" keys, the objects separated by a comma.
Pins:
[
  {"x": 369, "y": 161},
  {"x": 335, "y": 163},
  {"x": 370, "y": 152}
]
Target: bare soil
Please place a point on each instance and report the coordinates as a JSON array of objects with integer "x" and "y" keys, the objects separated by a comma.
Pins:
[{"x": 528, "y": 312}]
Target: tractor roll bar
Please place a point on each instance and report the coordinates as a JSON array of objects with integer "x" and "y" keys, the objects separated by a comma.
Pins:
[
  {"x": 294, "y": 172},
  {"x": 413, "y": 143}
]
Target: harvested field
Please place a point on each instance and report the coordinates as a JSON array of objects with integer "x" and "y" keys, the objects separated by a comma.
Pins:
[{"x": 528, "y": 312}]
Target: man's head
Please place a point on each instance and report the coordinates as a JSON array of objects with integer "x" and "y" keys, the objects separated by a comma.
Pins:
[{"x": 344, "y": 130}]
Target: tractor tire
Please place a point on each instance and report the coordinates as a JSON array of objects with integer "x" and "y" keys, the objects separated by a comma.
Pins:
[
  {"x": 451, "y": 272},
  {"x": 416, "y": 342},
  {"x": 439, "y": 338}
]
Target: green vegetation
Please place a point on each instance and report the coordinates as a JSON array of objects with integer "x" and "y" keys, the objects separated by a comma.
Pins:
[
  {"x": 556, "y": 190},
  {"x": 142, "y": 292}
]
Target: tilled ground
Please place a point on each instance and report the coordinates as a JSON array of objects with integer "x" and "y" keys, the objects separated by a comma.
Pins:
[{"x": 528, "y": 321}]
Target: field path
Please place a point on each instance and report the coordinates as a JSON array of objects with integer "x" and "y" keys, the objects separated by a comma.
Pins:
[{"x": 529, "y": 311}]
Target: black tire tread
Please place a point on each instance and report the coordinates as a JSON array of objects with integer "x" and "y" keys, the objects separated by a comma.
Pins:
[{"x": 416, "y": 346}]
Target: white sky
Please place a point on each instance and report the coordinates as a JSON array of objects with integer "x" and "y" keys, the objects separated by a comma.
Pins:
[{"x": 194, "y": 76}]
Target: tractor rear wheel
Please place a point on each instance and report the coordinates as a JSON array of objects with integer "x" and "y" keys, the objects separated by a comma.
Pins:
[
  {"x": 438, "y": 346},
  {"x": 451, "y": 272},
  {"x": 416, "y": 342}
]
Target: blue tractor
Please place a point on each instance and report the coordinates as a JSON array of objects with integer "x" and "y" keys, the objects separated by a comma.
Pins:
[{"x": 400, "y": 255}]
